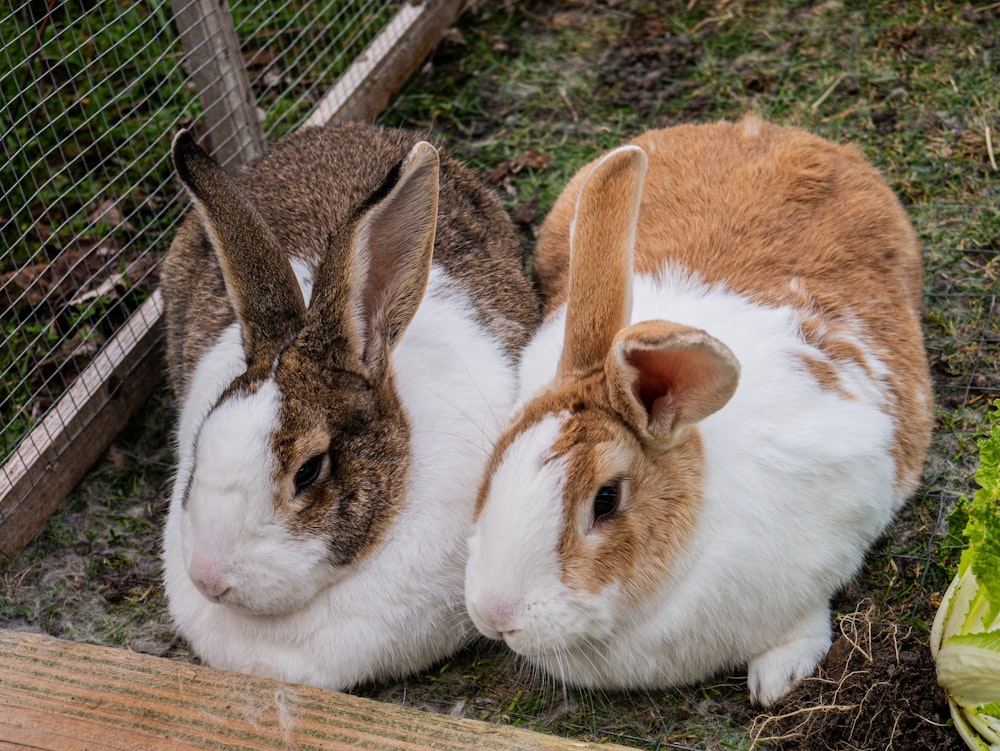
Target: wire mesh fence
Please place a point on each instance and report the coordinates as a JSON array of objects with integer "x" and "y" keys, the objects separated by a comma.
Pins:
[
  {"x": 83, "y": 176},
  {"x": 91, "y": 94},
  {"x": 295, "y": 52}
]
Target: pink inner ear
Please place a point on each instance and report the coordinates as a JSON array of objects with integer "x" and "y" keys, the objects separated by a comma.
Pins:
[
  {"x": 654, "y": 379},
  {"x": 680, "y": 385}
]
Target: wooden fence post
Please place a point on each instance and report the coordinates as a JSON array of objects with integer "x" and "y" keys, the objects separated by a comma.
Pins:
[{"x": 215, "y": 64}]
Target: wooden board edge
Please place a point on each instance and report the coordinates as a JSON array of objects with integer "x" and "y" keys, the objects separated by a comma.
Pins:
[
  {"x": 64, "y": 696},
  {"x": 81, "y": 424},
  {"x": 364, "y": 90}
]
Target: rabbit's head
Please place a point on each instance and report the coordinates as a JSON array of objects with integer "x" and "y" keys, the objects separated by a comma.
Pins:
[{"x": 300, "y": 464}]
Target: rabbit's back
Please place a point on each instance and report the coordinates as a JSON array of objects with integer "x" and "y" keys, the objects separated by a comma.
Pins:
[
  {"x": 783, "y": 218},
  {"x": 755, "y": 205},
  {"x": 308, "y": 186}
]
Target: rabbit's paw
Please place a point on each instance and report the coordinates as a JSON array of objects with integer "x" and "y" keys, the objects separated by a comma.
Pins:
[{"x": 773, "y": 674}]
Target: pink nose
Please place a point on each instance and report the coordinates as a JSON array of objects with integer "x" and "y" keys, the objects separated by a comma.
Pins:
[
  {"x": 209, "y": 575},
  {"x": 500, "y": 613}
]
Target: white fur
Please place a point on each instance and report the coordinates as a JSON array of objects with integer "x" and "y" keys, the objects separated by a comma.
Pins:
[
  {"x": 518, "y": 597},
  {"x": 305, "y": 273},
  {"x": 799, "y": 483},
  {"x": 287, "y": 614}
]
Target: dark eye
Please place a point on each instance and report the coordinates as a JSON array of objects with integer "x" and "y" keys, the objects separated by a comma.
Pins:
[
  {"x": 308, "y": 473},
  {"x": 606, "y": 499}
]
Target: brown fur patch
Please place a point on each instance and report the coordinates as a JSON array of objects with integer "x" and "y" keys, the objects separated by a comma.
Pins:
[
  {"x": 601, "y": 261},
  {"x": 636, "y": 545},
  {"x": 364, "y": 431},
  {"x": 784, "y": 218},
  {"x": 826, "y": 375},
  {"x": 258, "y": 278}
]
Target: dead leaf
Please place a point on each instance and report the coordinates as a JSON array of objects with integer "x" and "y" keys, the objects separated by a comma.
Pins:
[
  {"x": 525, "y": 215},
  {"x": 511, "y": 167},
  {"x": 105, "y": 210}
]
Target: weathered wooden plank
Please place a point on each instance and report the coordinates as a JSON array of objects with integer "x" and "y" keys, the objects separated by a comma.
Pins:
[
  {"x": 62, "y": 696},
  {"x": 79, "y": 427},
  {"x": 364, "y": 90},
  {"x": 213, "y": 60}
]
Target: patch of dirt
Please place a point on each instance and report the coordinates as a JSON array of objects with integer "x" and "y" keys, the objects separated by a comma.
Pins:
[
  {"x": 648, "y": 65},
  {"x": 876, "y": 689}
]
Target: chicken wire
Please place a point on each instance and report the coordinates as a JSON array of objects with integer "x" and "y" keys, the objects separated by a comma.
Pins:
[{"x": 91, "y": 94}]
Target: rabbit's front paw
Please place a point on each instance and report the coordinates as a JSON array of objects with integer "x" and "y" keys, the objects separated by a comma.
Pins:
[{"x": 776, "y": 672}]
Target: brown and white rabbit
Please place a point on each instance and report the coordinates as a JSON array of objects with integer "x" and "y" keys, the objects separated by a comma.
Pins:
[
  {"x": 340, "y": 388},
  {"x": 728, "y": 401}
]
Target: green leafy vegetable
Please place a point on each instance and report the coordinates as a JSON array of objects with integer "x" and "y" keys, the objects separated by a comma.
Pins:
[{"x": 965, "y": 640}]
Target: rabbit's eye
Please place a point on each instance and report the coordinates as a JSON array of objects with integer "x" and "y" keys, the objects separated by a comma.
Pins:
[
  {"x": 607, "y": 499},
  {"x": 308, "y": 473}
]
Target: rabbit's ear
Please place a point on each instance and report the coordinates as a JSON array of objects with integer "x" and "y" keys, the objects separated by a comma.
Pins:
[
  {"x": 371, "y": 283},
  {"x": 258, "y": 277},
  {"x": 662, "y": 376},
  {"x": 602, "y": 243}
]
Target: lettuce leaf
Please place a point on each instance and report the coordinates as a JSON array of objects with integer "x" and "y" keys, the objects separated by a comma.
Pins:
[
  {"x": 965, "y": 638},
  {"x": 983, "y": 527}
]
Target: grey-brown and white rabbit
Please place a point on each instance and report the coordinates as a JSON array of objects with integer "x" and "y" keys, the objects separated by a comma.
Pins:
[
  {"x": 343, "y": 322},
  {"x": 726, "y": 405}
]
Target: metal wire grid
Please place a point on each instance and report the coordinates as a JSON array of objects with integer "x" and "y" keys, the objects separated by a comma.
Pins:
[
  {"x": 295, "y": 51},
  {"x": 91, "y": 96}
]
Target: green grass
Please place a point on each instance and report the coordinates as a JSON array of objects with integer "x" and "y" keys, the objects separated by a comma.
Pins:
[{"x": 88, "y": 94}]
